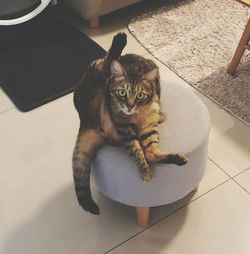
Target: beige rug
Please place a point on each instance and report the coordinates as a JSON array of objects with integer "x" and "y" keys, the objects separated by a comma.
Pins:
[{"x": 197, "y": 39}]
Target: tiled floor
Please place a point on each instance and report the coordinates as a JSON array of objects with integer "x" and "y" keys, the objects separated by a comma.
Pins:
[{"x": 38, "y": 210}]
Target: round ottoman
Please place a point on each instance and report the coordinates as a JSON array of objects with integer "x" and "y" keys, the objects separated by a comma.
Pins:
[{"x": 185, "y": 130}]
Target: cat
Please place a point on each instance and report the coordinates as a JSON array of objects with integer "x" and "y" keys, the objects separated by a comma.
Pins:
[{"x": 118, "y": 102}]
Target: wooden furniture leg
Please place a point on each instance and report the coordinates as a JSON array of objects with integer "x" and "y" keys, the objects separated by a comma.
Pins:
[
  {"x": 196, "y": 188},
  {"x": 242, "y": 46},
  {"x": 142, "y": 216},
  {"x": 94, "y": 22}
]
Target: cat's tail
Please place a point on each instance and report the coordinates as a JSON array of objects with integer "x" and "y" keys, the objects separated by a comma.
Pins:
[
  {"x": 87, "y": 143},
  {"x": 118, "y": 44}
]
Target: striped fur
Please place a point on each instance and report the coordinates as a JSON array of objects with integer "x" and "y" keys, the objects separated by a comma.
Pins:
[
  {"x": 118, "y": 102},
  {"x": 136, "y": 120},
  {"x": 96, "y": 126}
]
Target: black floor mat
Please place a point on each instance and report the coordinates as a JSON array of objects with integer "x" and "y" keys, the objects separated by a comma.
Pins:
[{"x": 44, "y": 63}]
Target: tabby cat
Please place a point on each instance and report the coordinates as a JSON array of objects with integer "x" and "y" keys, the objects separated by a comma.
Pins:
[{"x": 118, "y": 101}]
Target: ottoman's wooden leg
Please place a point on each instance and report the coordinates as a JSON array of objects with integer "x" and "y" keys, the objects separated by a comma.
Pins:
[
  {"x": 142, "y": 216},
  {"x": 94, "y": 22},
  {"x": 196, "y": 188}
]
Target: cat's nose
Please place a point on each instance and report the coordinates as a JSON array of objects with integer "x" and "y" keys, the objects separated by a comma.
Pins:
[{"x": 130, "y": 107}]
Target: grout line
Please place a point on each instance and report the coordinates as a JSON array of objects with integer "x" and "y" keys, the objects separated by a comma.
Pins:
[
  {"x": 220, "y": 168},
  {"x": 232, "y": 177},
  {"x": 241, "y": 172},
  {"x": 241, "y": 186},
  {"x": 176, "y": 210},
  {"x": 239, "y": 183}
]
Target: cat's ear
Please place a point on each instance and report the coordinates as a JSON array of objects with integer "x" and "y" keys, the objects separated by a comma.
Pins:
[
  {"x": 151, "y": 75},
  {"x": 117, "y": 70}
]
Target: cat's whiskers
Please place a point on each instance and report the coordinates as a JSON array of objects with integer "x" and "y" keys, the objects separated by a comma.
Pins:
[{"x": 115, "y": 110}]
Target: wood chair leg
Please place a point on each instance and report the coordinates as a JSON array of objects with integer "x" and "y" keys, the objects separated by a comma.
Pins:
[
  {"x": 196, "y": 188},
  {"x": 142, "y": 216},
  {"x": 94, "y": 22},
  {"x": 240, "y": 49}
]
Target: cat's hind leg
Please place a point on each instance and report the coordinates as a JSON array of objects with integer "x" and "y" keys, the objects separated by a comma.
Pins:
[{"x": 87, "y": 143}]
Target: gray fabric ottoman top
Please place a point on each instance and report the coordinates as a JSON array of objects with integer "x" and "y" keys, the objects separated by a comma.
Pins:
[{"x": 185, "y": 130}]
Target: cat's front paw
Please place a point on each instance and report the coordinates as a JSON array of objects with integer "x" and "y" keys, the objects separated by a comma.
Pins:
[
  {"x": 147, "y": 176},
  {"x": 175, "y": 158},
  {"x": 179, "y": 159}
]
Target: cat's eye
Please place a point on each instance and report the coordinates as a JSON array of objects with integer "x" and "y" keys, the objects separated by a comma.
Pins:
[
  {"x": 122, "y": 92},
  {"x": 140, "y": 96}
]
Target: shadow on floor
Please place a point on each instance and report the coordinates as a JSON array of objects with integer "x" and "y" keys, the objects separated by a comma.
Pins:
[{"x": 61, "y": 226}]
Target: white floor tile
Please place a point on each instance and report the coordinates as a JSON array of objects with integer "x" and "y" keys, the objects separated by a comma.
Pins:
[
  {"x": 231, "y": 149},
  {"x": 5, "y": 102},
  {"x": 244, "y": 180},
  {"x": 213, "y": 177},
  {"x": 35, "y": 141},
  {"x": 216, "y": 223}
]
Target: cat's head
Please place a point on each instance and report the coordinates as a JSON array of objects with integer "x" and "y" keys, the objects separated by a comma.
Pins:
[{"x": 132, "y": 96}]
